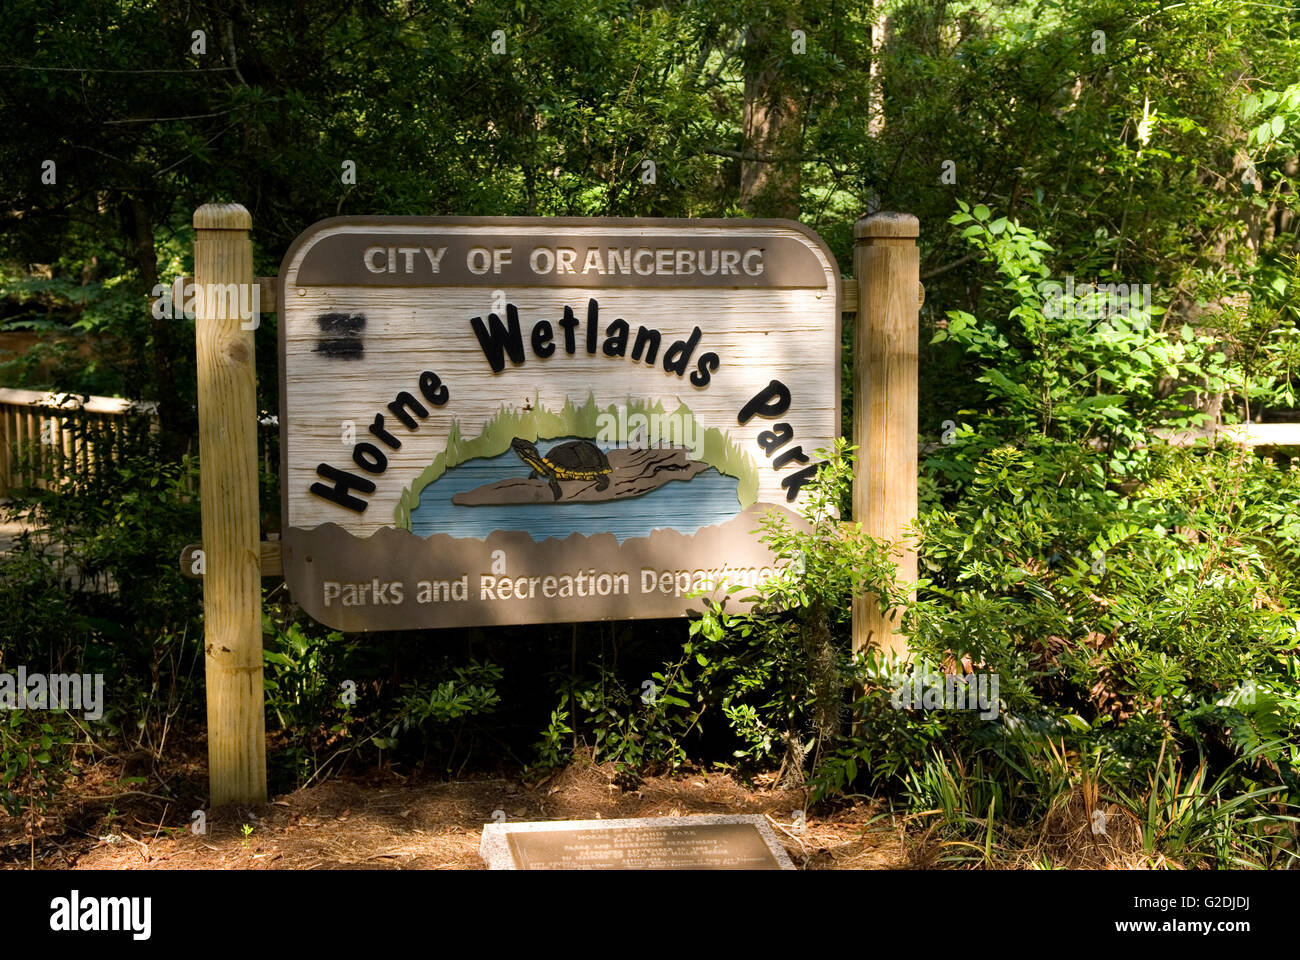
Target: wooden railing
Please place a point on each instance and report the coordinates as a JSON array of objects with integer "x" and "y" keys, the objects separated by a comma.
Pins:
[
  {"x": 1246, "y": 434},
  {"x": 59, "y": 435}
]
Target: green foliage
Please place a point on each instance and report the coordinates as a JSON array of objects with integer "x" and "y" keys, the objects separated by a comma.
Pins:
[
  {"x": 297, "y": 666},
  {"x": 470, "y": 691},
  {"x": 1137, "y": 612},
  {"x": 636, "y": 727},
  {"x": 1067, "y": 368},
  {"x": 1229, "y": 821},
  {"x": 1138, "y": 602},
  {"x": 551, "y": 749},
  {"x": 1272, "y": 140},
  {"x": 774, "y": 674},
  {"x": 92, "y": 584},
  {"x": 783, "y": 663},
  {"x": 35, "y": 758},
  {"x": 331, "y": 702}
]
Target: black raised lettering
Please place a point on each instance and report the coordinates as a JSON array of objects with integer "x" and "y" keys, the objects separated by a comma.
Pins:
[
  {"x": 616, "y": 335},
  {"x": 541, "y": 337},
  {"x": 377, "y": 429},
  {"x": 499, "y": 340},
  {"x": 568, "y": 322},
  {"x": 646, "y": 336},
  {"x": 404, "y": 402},
  {"x": 778, "y": 436},
  {"x": 772, "y": 401},
  {"x": 434, "y": 390},
  {"x": 795, "y": 481},
  {"x": 708, "y": 362},
  {"x": 794, "y": 453},
  {"x": 369, "y": 458},
  {"x": 343, "y": 482},
  {"x": 678, "y": 356},
  {"x": 593, "y": 317}
]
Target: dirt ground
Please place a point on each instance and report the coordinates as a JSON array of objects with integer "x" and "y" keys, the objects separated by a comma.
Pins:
[{"x": 388, "y": 822}]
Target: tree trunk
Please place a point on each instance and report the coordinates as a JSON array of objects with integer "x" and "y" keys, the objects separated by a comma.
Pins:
[
  {"x": 770, "y": 168},
  {"x": 875, "y": 91},
  {"x": 171, "y": 407}
]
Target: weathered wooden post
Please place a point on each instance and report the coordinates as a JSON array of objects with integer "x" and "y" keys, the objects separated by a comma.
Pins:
[
  {"x": 886, "y": 265},
  {"x": 232, "y": 586},
  {"x": 7, "y": 438}
]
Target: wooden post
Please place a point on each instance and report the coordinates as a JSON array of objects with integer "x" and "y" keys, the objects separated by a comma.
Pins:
[
  {"x": 886, "y": 264},
  {"x": 6, "y": 447},
  {"x": 65, "y": 452},
  {"x": 35, "y": 451},
  {"x": 232, "y": 586}
]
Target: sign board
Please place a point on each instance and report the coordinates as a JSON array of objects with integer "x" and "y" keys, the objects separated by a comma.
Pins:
[
  {"x": 702, "y": 842},
  {"x": 526, "y": 420}
]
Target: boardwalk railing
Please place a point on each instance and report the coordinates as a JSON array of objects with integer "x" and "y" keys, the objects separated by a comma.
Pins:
[
  {"x": 1268, "y": 438},
  {"x": 59, "y": 434},
  {"x": 1246, "y": 434}
]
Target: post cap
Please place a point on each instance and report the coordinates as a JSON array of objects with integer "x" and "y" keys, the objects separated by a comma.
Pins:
[
  {"x": 222, "y": 216},
  {"x": 894, "y": 226}
]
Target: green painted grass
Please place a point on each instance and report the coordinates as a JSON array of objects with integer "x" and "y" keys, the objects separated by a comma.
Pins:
[{"x": 720, "y": 451}]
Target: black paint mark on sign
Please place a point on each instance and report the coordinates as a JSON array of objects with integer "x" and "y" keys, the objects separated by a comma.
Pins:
[{"x": 341, "y": 335}]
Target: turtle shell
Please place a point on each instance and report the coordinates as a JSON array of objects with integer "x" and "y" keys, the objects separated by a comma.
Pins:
[{"x": 579, "y": 455}]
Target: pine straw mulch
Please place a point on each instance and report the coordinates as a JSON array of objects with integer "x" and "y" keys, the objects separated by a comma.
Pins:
[
  {"x": 107, "y": 819},
  {"x": 385, "y": 821},
  {"x": 1084, "y": 832}
]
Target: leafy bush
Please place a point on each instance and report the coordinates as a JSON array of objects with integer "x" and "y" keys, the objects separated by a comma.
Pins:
[
  {"x": 774, "y": 676},
  {"x": 781, "y": 668},
  {"x": 331, "y": 702},
  {"x": 93, "y": 585},
  {"x": 470, "y": 692},
  {"x": 34, "y": 759},
  {"x": 1136, "y": 601}
]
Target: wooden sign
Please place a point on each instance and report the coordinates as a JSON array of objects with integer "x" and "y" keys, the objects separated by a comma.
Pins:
[{"x": 519, "y": 420}]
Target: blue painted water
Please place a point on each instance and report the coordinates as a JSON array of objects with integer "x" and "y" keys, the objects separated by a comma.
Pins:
[{"x": 708, "y": 498}]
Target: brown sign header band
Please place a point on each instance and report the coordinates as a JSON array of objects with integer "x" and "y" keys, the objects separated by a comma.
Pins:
[{"x": 427, "y": 256}]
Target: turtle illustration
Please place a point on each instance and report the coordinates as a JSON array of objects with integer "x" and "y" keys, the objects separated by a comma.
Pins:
[{"x": 575, "y": 460}]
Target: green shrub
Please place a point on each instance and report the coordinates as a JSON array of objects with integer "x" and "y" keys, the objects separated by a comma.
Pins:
[
  {"x": 774, "y": 677},
  {"x": 1137, "y": 602},
  {"x": 93, "y": 585},
  {"x": 34, "y": 758}
]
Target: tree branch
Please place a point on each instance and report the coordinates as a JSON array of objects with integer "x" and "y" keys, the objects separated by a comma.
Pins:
[{"x": 939, "y": 271}]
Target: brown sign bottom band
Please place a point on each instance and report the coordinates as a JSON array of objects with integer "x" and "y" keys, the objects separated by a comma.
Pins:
[{"x": 396, "y": 580}]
